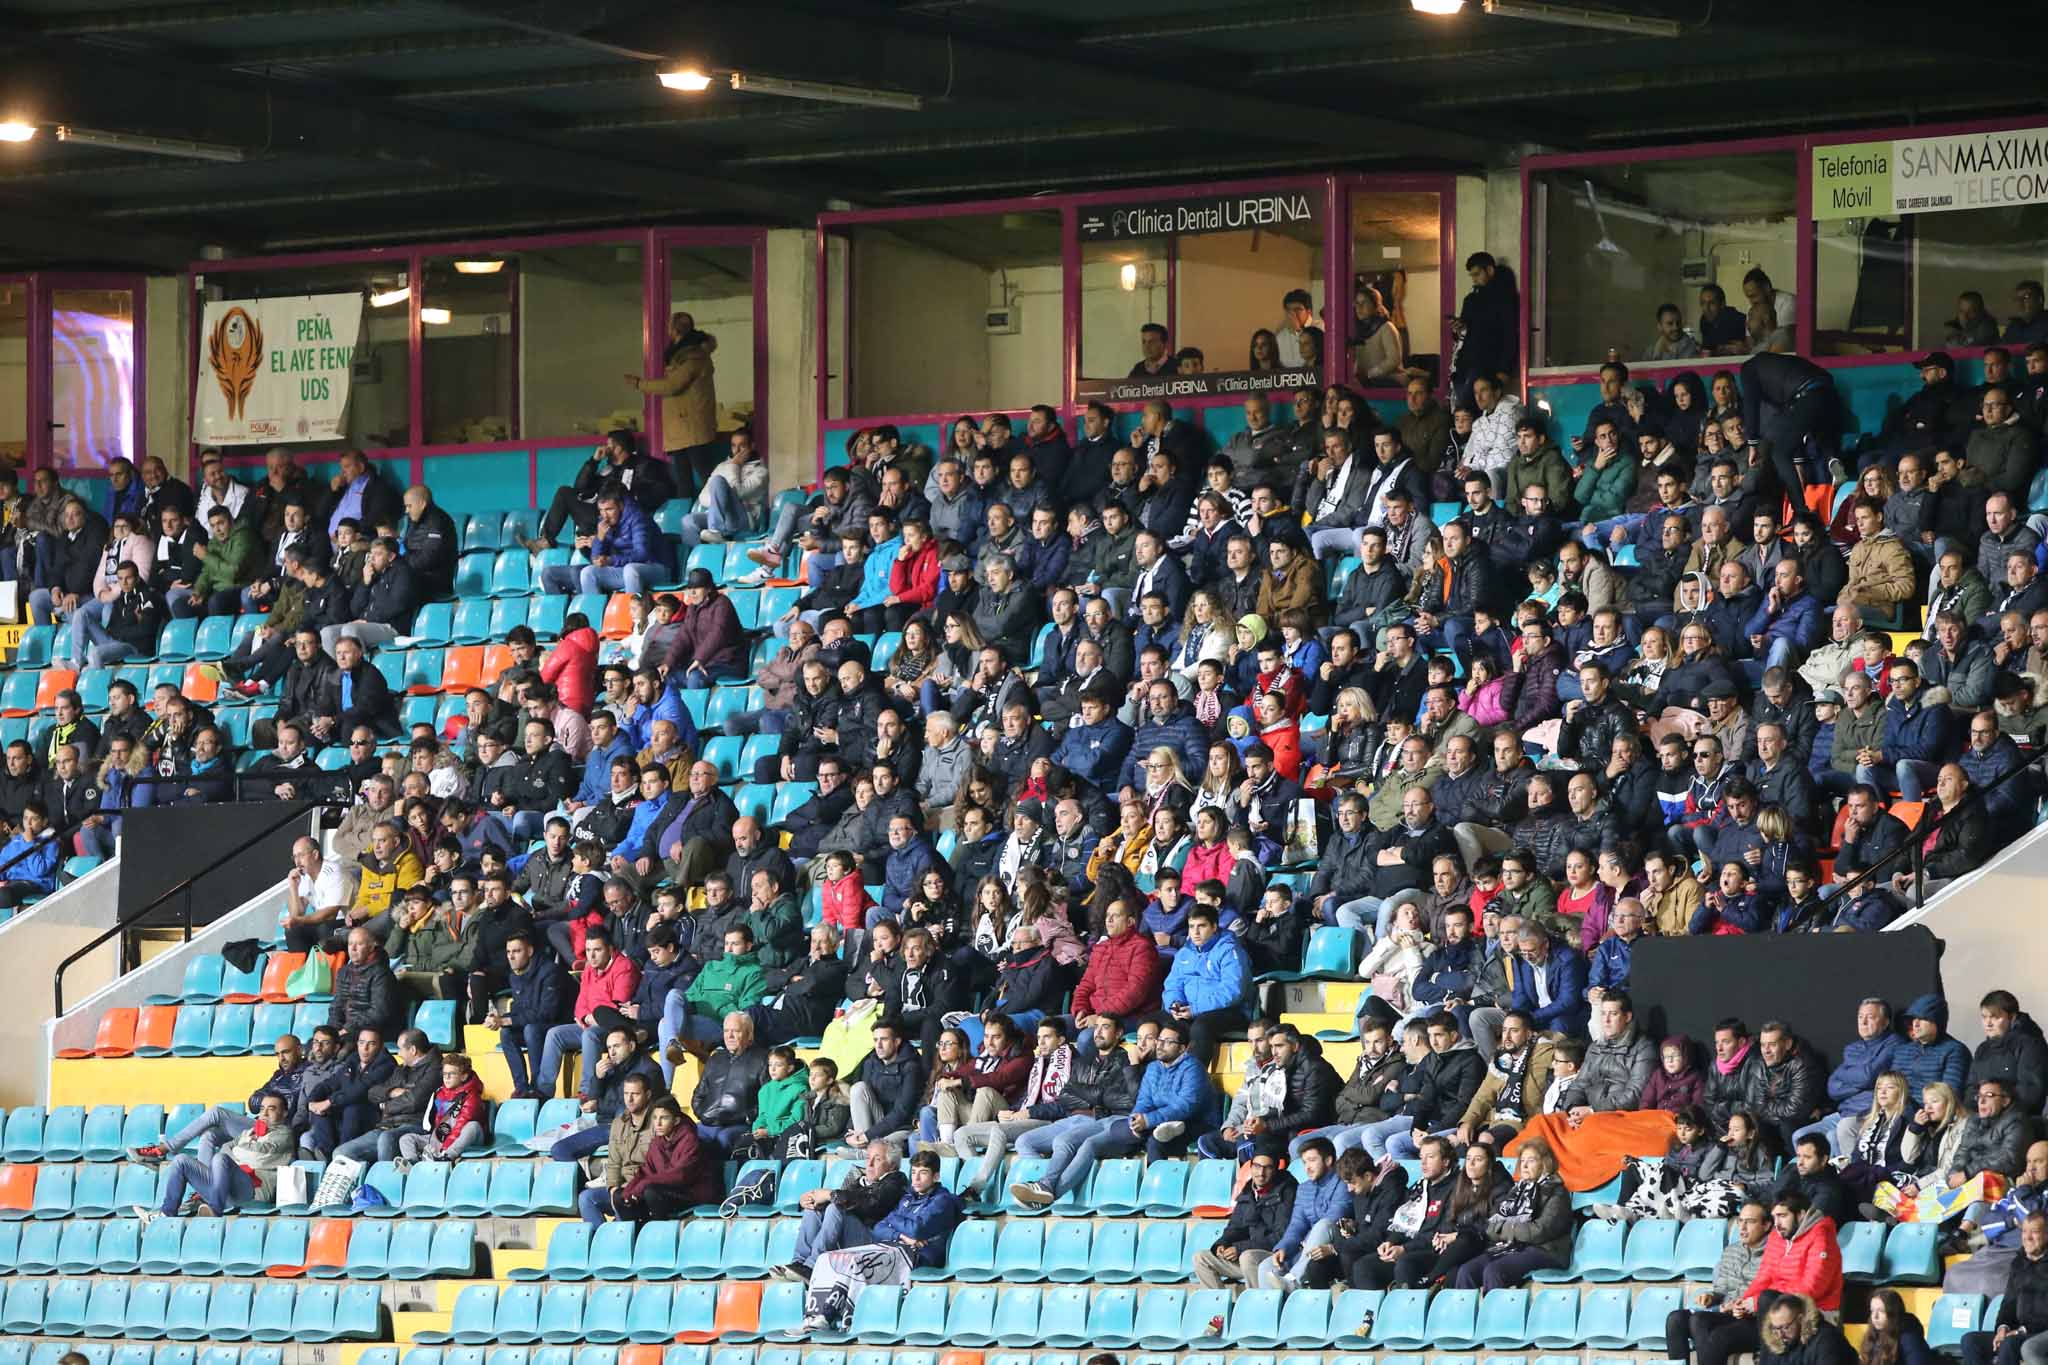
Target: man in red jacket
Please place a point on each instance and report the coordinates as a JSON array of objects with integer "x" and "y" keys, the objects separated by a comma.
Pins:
[
  {"x": 1802, "y": 1257},
  {"x": 1123, "y": 980},
  {"x": 609, "y": 979}
]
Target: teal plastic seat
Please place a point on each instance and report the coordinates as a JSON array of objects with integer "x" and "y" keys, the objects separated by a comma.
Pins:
[
  {"x": 64, "y": 1133},
  {"x": 1332, "y": 953},
  {"x": 473, "y": 1322},
  {"x": 1113, "y": 1187},
  {"x": 1403, "y": 1320},
  {"x": 1211, "y": 1185},
  {"x": 1063, "y": 1316},
  {"x": 242, "y": 1249},
  {"x": 232, "y": 1027},
  {"x": 1454, "y": 1319},
  {"x": 1503, "y": 1322},
  {"x": 313, "y": 1313},
  {"x": 185, "y": 1318},
  {"x": 78, "y": 1246},
  {"x": 1204, "y": 1309},
  {"x": 1112, "y": 1256},
  {"x": 106, "y": 1308},
  {"x": 652, "y": 1255},
  {"x": 272, "y": 1022},
  {"x": 1597, "y": 1255},
  {"x": 1020, "y": 1252},
  {"x": 700, "y": 1251},
  {"x": 1348, "y": 1312},
  {"x": 1016, "y": 1317},
  {"x": 471, "y": 623},
  {"x": 468, "y": 1194},
  {"x": 660, "y": 1312},
  {"x": 142, "y": 1125},
  {"x": 875, "y": 1316},
  {"x": 1554, "y": 1319},
  {"x": 782, "y": 1311},
  {"x": 177, "y": 641},
  {"x": 604, "y": 1312},
  {"x": 1157, "y": 1325},
  {"x": 93, "y": 1190},
  {"x": 272, "y": 1308},
  {"x": 1951, "y": 1317},
  {"x": 409, "y": 1253},
  {"x": 1862, "y": 1251},
  {"x": 22, "y": 1312},
  {"x": 453, "y": 1254},
  {"x": 192, "y": 1035},
  {"x": 1255, "y": 1320},
  {"x": 517, "y": 1321},
  {"x": 40, "y": 1249},
  {"x": 746, "y": 1249},
  {"x": 1912, "y": 1255},
  {"x": 611, "y": 1250},
  {"x": 53, "y": 1193},
  {"x": 203, "y": 1249},
  {"x": 162, "y": 1247},
  {"x": 65, "y": 1308},
  {"x": 1161, "y": 1253},
  {"x": 426, "y": 1187},
  {"x": 1652, "y": 1250},
  {"x": 473, "y": 579},
  {"x": 971, "y": 1317},
  {"x": 511, "y": 1192},
  {"x": 921, "y": 1321},
  {"x": 554, "y": 1188},
  {"x": 1305, "y": 1319},
  {"x": 512, "y": 1124},
  {"x": 561, "y": 1314},
  {"x": 228, "y": 1316},
  {"x": 432, "y": 623},
  {"x": 369, "y": 1250},
  {"x": 1699, "y": 1247},
  {"x": 1603, "y": 1319},
  {"x": 1647, "y": 1314},
  {"x": 545, "y": 617},
  {"x": 1111, "y": 1322}
]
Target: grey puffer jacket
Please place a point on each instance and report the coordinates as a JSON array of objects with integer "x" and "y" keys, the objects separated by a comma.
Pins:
[{"x": 1614, "y": 1073}]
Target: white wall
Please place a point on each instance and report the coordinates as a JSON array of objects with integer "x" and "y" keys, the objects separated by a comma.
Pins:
[{"x": 792, "y": 357}]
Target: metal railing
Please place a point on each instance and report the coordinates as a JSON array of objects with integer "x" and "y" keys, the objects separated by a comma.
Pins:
[
  {"x": 1914, "y": 848},
  {"x": 182, "y": 890}
]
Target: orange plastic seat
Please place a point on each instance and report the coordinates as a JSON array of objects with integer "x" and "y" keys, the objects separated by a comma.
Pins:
[
  {"x": 53, "y": 681},
  {"x": 277, "y": 972},
  {"x": 497, "y": 658},
  {"x": 1907, "y": 813},
  {"x": 462, "y": 668},
  {"x": 154, "y": 1026},
  {"x": 961, "y": 1358},
  {"x": 17, "y": 1188},
  {"x": 327, "y": 1243},
  {"x": 115, "y": 1037},
  {"x": 200, "y": 685},
  {"x": 738, "y": 1310},
  {"x": 618, "y": 617},
  {"x": 641, "y": 1355}
]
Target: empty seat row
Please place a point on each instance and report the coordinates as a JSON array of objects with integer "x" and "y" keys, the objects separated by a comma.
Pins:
[
  {"x": 154, "y": 1310},
  {"x": 228, "y": 1030},
  {"x": 324, "y": 1248},
  {"x": 433, "y": 1189},
  {"x": 168, "y": 1353}
]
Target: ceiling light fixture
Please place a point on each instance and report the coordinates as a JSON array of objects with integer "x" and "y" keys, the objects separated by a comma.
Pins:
[
  {"x": 686, "y": 78},
  {"x": 158, "y": 146},
  {"x": 826, "y": 93},
  {"x": 1578, "y": 16},
  {"x": 434, "y": 315},
  {"x": 1128, "y": 277},
  {"x": 16, "y": 130},
  {"x": 478, "y": 267},
  {"x": 384, "y": 298},
  {"x": 1437, "y": 6}
]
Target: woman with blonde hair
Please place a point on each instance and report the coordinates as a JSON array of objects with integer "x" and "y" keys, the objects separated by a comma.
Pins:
[
  {"x": 1529, "y": 1228},
  {"x": 1201, "y": 634},
  {"x": 1221, "y": 776},
  {"x": 1348, "y": 744},
  {"x": 1126, "y": 844},
  {"x": 1880, "y": 1146},
  {"x": 1164, "y": 784}
]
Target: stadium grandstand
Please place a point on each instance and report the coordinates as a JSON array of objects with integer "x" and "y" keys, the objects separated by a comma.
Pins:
[{"x": 666, "y": 700}]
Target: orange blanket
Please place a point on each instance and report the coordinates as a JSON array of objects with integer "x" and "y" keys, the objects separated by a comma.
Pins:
[{"x": 1592, "y": 1154}]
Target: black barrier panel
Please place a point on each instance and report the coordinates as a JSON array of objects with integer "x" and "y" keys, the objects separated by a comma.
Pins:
[
  {"x": 1811, "y": 981},
  {"x": 163, "y": 845}
]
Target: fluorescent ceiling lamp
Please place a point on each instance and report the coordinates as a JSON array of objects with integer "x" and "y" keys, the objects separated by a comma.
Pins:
[
  {"x": 14, "y": 130},
  {"x": 825, "y": 92},
  {"x": 478, "y": 267},
  {"x": 687, "y": 78},
  {"x": 384, "y": 298},
  {"x": 1578, "y": 16},
  {"x": 1437, "y": 6},
  {"x": 157, "y": 146},
  {"x": 1128, "y": 277},
  {"x": 434, "y": 315}
]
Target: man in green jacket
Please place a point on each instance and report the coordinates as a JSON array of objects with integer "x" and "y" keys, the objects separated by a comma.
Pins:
[
  {"x": 435, "y": 944},
  {"x": 230, "y": 560},
  {"x": 1607, "y": 479},
  {"x": 776, "y": 922},
  {"x": 727, "y": 984}
]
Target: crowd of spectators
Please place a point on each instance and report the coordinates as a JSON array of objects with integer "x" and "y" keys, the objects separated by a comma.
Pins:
[{"x": 1133, "y": 746}]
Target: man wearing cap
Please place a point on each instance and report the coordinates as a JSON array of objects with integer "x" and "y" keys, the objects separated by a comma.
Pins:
[
  {"x": 1936, "y": 416},
  {"x": 709, "y": 643}
]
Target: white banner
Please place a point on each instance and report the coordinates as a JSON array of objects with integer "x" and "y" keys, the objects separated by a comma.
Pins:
[
  {"x": 1931, "y": 174},
  {"x": 274, "y": 370}
]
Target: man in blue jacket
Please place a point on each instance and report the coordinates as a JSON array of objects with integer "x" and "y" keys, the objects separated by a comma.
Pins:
[
  {"x": 1209, "y": 987},
  {"x": 1851, "y": 1082},
  {"x": 1175, "y": 1090},
  {"x": 1787, "y": 623},
  {"x": 30, "y": 858},
  {"x": 1320, "y": 1200},
  {"x": 910, "y": 853},
  {"x": 1549, "y": 982},
  {"x": 540, "y": 996},
  {"x": 1167, "y": 723},
  {"x": 1928, "y": 1054},
  {"x": 1916, "y": 739},
  {"x": 914, "y": 1235},
  {"x": 635, "y": 853},
  {"x": 627, "y": 551},
  {"x": 1093, "y": 750}
]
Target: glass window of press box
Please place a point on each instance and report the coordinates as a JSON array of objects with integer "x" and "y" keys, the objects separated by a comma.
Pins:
[
  {"x": 380, "y": 387},
  {"x": 1712, "y": 237},
  {"x": 715, "y": 286},
  {"x": 14, "y": 403},
  {"x": 1228, "y": 292},
  {"x": 952, "y": 314},
  {"x": 518, "y": 345},
  {"x": 1396, "y": 320},
  {"x": 1927, "y": 281}
]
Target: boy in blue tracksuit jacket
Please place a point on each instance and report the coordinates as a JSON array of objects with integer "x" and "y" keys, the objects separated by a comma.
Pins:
[
  {"x": 30, "y": 859},
  {"x": 648, "y": 817},
  {"x": 927, "y": 1214},
  {"x": 1320, "y": 1200},
  {"x": 1209, "y": 986},
  {"x": 1928, "y": 1054}
]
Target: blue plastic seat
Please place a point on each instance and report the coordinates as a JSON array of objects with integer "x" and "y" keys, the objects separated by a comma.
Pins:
[
  {"x": 34, "y": 651},
  {"x": 1597, "y": 1255},
  {"x": 511, "y": 1192},
  {"x": 244, "y": 986},
  {"x": 756, "y": 800},
  {"x": 1862, "y": 1251},
  {"x": 40, "y": 1248},
  {"x": 391, "y": 664},
  {"x": 242, "y": 1247},
  {"x": 1648, "y": 1313},
  {"x": 106, "y": 1308},
  {"x": 185, "y": 1318},
  {"x": 545, "y": 616},
  {"x": 192, "y": 1035},
  {"x": 369, "y": 1251},
  {"x": 610, "y": 1256},
  {"x": 471, "y": 623},
  {"x": 512, "y": 574},
  {"x": 1699, "y": 1247},
  {"x": 1951, "y": 1317},
  {"x": 723, "y": 753},
  {"x": 1113, "y": 1187},
  {"x": 78, "y": 1246},
  {"x": 559, "y": 1318},
  {"x": 483, "y": 532},
  {"x": 1016, "y": 1316},
  {"x": 229, "y": 1316},
  {"x": 1912, "y": 1255},
  {"x": 1503, "y": 1321},
  {"x": 433, "y": 623},
  {"x": 1255, "y": 1320},
  {"x": 177, "y": 641},
  {"x": 1453, "y": 1320},
  {"x": 232, "y": 1025},
  {"x": 63, "y": 1133},
  {"x": 659, "y": 1312},
  {"x": 971, "y": 1255},
  {"x": 408, "y": 1255},
  {"x": 782, "y": 1311},
  {"x": 1161, "y": 1251},
  {"x": 1652, "y": 1250},
  {"x": 53, "y": 1193},
  {"x": 1554, "y": 1319},
  {"x": 23, "y": 1311},
  {"x": 202, "y": 982},
  {"x": 1604, "y": 1319},
  {"x": 473, "y": 576},
  {"x": 700, "y": 1252},
  {"x": 1020, "y": 1252},
  {"x": 1403, "y": 1320},
  {"x": 1112, "y": 1255},
  {"x": 1211, "y": 1185}
]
